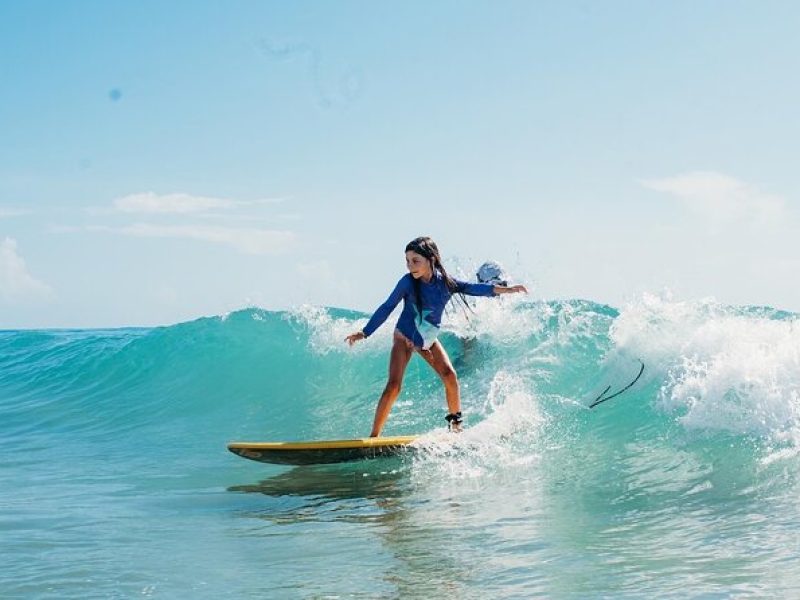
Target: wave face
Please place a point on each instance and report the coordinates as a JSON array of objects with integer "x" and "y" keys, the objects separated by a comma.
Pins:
[{"x": 115, "y": 480}]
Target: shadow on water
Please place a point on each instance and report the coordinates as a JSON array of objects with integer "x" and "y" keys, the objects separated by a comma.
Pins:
[
  {"x": 362, "y": 480},
  {"x": 362, "y": 491}
]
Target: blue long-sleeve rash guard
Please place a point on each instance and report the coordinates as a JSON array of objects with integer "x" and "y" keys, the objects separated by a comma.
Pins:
[{"x": 434, "y": 296}]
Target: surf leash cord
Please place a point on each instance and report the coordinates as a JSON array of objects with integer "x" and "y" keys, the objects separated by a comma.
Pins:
[{"x": 602, "y": 397}]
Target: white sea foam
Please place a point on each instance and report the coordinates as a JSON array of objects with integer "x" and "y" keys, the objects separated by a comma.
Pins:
[
  {"x": 723, "y": 368},
  {"x": 505, "y": 319},
  {"x": 503, "y": 439},
  {"x": 327, "y": 333}
]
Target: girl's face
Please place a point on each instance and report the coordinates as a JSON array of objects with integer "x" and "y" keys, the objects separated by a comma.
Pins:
[{"x": 418, "y": 266}]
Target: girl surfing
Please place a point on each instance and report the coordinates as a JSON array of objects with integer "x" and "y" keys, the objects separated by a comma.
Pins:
[{"x": 425, "y": 291}]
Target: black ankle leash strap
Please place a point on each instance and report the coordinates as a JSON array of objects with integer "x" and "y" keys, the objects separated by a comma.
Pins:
[{"x": 454, "y": 419}]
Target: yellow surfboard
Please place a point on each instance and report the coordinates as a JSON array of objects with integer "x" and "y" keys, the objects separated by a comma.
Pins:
[{"x": 323, "y": 451}]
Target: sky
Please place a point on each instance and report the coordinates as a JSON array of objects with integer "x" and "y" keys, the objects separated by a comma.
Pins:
[{"x": 161, "y": 162}]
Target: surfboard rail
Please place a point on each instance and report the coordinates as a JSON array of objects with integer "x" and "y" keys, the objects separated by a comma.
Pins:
[{"x": 321, "y": 451}]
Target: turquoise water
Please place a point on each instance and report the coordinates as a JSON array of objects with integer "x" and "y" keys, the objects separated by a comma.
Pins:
[{"x": 115, "y": 481}]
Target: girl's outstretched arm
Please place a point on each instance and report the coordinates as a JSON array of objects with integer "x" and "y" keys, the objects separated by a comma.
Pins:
[
  {"x": 384, "y": 310},
  {"x": 514, "y": 289},
  {"x": 487, "y": 289}
]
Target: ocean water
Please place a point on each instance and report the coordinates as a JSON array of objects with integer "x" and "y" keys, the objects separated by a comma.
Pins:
[{"x": 115, "y": 481}]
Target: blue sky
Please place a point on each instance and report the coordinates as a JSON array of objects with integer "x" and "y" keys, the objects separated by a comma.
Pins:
[{"x": 165, "y": 161}]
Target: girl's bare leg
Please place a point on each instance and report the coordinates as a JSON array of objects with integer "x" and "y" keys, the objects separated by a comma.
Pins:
[
  {"x": 438, "y": 359},
  {"x": 398, "y": 361}
]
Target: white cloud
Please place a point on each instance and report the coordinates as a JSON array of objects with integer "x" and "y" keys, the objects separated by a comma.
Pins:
[
  {"x": 720, "y": 197},
  {"x": 239, "y": 230},
  {"x": 12, "y": 212},
  {"x": 57, "y": 228},
  {"x": 16, "y": 284},
  {"x": 180, "y": 203},
  {"x": 247, "y": 240},
  {"x": 149, "y": 202}
]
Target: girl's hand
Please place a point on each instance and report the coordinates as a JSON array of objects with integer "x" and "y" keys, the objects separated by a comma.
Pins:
[{"x": 354, "y": 337}]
